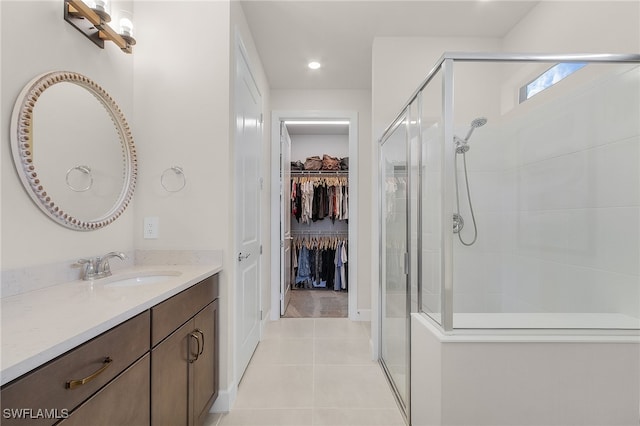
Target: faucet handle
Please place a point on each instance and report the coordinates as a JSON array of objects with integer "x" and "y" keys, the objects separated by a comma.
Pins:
[
  {"x": 90, "y": 268},
  {"x": 91, "y": 263}
]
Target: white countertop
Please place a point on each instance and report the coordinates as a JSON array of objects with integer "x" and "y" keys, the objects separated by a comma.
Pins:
[{"x": 40, "y": 325}]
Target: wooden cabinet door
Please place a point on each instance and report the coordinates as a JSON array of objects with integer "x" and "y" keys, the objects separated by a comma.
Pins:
[
  {"x": 169, "y": 379},
  {"x": 205, "y": 368}
]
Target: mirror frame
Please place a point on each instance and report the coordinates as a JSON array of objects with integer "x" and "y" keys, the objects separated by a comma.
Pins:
[{"x": 22, "y": 147}]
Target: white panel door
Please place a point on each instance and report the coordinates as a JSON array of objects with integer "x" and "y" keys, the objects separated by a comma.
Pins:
[
  {"x": 285, "y": 218},
  {"x": 247, "y": 207}
]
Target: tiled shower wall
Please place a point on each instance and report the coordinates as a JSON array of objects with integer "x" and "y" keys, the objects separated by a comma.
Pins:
[{"x": 556, "y": 193}]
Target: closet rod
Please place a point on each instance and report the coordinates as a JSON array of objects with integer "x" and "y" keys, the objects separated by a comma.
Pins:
[
  {"x": 319, "y": 172},
  {"x": 338, "y": 233}
]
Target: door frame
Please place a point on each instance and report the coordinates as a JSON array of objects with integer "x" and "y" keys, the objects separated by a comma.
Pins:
[
  {"x": 285, "y": 234},
  {"x": 281, "y": 115}
]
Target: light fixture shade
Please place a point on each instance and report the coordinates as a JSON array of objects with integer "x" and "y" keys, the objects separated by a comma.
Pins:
[
  {"x": 126, "y": 27},
  {"x": 314, "y": 65},
  {"x": 102, "y": 8}
]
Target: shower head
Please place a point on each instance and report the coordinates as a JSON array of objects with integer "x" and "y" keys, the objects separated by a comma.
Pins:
[{"x": 478, "y": 122}]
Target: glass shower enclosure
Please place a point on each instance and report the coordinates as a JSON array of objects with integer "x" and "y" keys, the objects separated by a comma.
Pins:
[{"x": 509, "y": 190}]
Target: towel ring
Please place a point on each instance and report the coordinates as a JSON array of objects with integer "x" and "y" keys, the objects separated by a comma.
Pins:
[
  {"x": 83, "y": 169},
  {"x": 178, "y": 172}
]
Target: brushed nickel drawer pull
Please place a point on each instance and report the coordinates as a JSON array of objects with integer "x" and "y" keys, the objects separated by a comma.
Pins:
[
  {"x": 193, "y": 335},
  {"x": 72, "y": 384}
]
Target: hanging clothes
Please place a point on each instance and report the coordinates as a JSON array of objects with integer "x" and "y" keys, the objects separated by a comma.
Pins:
[
  {"x": 343, "y": 270},
  {"x": 314, "y": 198},
  {"x": 315, "y": 259},
  {"x": 304, "y": 266}
]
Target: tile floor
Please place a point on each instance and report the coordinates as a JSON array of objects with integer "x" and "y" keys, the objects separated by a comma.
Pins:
[
  {"x": 313, "y": 371},
  {"x": 314, "y": 303}
]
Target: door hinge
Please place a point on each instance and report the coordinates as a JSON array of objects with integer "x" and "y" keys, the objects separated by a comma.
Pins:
[
  {"x": 261, "y": 183},
  {"x": 260, "y": 248},
  {"x": 261, "y": 119},
  {"x": 260, "y": 314},
  {"x": 281, "y": 243}
]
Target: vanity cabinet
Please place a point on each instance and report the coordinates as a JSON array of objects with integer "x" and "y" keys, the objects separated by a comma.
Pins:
[
  {"x": 184, "y": 355},
  {"x": 157, "y": 368},
  {"x": 86, "y": 373}
]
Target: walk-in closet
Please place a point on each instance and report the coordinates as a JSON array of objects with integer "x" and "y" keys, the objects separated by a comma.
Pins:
[{"x": 316, "y": 212}]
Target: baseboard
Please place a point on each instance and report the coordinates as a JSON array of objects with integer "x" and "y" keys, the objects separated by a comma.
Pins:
[
  {"x": 225, "y": 400},
  {"x": 265, "y": 319}
]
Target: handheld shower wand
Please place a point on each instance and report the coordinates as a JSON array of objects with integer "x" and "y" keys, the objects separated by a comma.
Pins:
[
  {"x": 462, "y": 146},
  {"x": 478, "y": 122}
]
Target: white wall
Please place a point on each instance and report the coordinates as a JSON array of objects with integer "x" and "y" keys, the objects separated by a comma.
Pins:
[
  {"x": 400, "y": 64},
  {"x": 35, "y": 40},
  {"x": 572, "y": 242},
  {"x": 183, "y": 123},
  {"x": 303, "y": 146},
  {"x": 180, "y": 122},
  {"x": 345, "y": 100},
  {"x": 601, "y": 26},
  {"x": 184, "y": 108},
  {"x": 573, "y": 167}
]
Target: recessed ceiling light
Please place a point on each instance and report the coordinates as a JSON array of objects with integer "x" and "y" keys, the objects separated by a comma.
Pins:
[{"x": 314, "y": 65}]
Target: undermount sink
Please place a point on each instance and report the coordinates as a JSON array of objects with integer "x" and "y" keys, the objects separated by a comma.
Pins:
[{"x": 141, "y": 278}]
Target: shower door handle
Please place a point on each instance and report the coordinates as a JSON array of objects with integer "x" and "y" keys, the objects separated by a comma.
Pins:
[{"x": 406, "y": 263}]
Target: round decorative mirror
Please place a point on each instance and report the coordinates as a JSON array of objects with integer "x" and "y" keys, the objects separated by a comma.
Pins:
[{"x": 75, "y": 156}]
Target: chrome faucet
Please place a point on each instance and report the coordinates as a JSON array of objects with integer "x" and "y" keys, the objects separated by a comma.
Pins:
[{"x": 98, "y": 267}]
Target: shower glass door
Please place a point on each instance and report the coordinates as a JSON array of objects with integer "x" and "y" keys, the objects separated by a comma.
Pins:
[{"x": 394, "y": 278}]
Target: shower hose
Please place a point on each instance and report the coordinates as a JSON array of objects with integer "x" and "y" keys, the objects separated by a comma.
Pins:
[{"x": 473, "y": 217}]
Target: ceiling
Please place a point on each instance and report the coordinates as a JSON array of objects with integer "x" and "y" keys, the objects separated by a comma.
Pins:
[
  {"x": 318, "y": 127},
  {"x": 339, "y": 34}
]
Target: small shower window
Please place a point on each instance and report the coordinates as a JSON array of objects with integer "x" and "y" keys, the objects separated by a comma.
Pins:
[{"x": 549, "y": 78}]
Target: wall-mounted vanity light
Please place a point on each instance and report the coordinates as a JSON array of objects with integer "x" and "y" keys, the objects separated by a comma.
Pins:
[{"x": 93, "y": 19}]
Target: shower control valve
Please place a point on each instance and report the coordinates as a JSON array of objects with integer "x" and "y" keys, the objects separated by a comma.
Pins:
[{"x": 458, "y": 223}]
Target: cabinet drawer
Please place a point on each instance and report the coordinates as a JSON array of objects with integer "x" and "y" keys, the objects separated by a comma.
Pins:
[
  {"x": 46, "y": 387},
  {"x": 125, "y": 401},
  {"x": 172, "y": 313}
]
